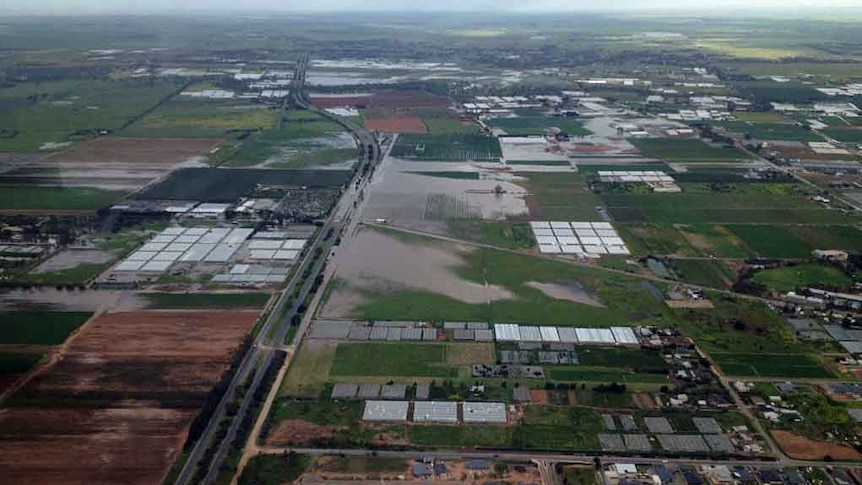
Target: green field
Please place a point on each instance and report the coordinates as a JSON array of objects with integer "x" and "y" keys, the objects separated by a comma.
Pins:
[
  {"x": 606, "y": 376},
  {"x": 712, "y": 274},
  {"x": 391, "y": 359},
  {"x": 655, "y": 239},
  {"x": 70, "y": 110},
  {"x": 322, "y": 412},
  {"x": 13, "y": 197},
  {"x": 79, "y": 275},
  {"x": 206, "y": 300},
  {"x": 828, "y": 237},
  {"x": 306, "y": 139},
  {"x": 452, "y": 147},
  {"x": 536, "y": 125},
  {"x": 39, "y": 328},
  {"x": 617, "y": 298},
  {"x": 460, "y": 436},
  {"x": 759, "y": 117},
  {"x": 17, "y": 363},
  {"x": 638, "y": 360},
  {"x": 715, "y": 240},
  {"x": 771, "y": 241},
  {"x": 561, "y": 196},
  {"x": 274, "y": 469},
  {"x": 512, "y": 235},
  {"x": 687, "y": 150},
  {"x": 771, "y": 131},
  {"x": 770, "y": 365},
  {"x": 195, "y": 118},
  {"x": 739, "y": 203},
  {"x": 789, "y": 278},
  {"x": 221, "y": 185},
  {"x": 846, "y": 135}
]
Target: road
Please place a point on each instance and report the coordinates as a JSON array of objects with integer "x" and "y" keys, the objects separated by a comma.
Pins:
[
  {"x": 566, "y": 458},
  {"x": 277, "y": 325}
]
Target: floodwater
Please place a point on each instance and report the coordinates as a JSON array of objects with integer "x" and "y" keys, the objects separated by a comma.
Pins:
[
  {"x": 425, "y": 202},
  {"x": 377, "y": 262},
  {"x": 72, "y": 258},
  {"x": 573, "y": 292},
  {"x": 46, "y": 298}
]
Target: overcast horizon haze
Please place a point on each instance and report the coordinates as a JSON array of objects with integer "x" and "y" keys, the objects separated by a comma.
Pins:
[{"x": 135, "y": 7}]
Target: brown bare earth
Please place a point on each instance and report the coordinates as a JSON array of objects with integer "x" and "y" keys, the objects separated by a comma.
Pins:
[
  {"x": 137, "y": 380},
  {"x": 802, "y": 448},
  {"x": 539, "y": 396},
  {"x": 396, "y": 125},
  {"x": 387, "y": 99},
  {"x": 112, "y": 163},
  {"x": 298, "y": 432}
]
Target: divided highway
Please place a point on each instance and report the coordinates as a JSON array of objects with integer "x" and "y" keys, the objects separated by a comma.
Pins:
[{"x": 260, "y": 356}]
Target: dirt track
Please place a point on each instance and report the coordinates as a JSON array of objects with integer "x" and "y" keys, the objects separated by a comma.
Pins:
[{"x": 143, "y": 377}]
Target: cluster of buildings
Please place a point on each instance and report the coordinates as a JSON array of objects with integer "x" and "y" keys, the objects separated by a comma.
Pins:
[
  {"x": 670, "y": 474},
  {"x": 590, "y": 239},
  {"x": 443, "y": 412}
]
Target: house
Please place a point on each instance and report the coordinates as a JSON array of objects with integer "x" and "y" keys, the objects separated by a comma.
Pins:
[
  {"x": 719, "y": 474},
  {"x": 440, "y": 469},
  {"x": 666, "y": 475},
  {"x": 770, "y": 476},
  {"x": 692, "y": 477},
  {"x": 743, "y": 476},
  {"x": 793, "y": 477},
  {"x": 422, "y": 470},
  {"x": 830, "y": 254},
  {"x": 477, "y": 465},
  {"x": 786, "y": 388}
]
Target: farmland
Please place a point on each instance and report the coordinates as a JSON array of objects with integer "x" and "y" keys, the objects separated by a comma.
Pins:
[
  {"x": 451, "y": 147},
  {"x": 19, "y": 198},
  {"x": 687, "y": 151},
  {"x": 536, "y": 125},
  {"x": 227, "y": 185},
  {"x": 420, "y": 360},
  {"x": 594, "y": 296},
  {"x": 39, "y": 328},
  {"x": 561, "y": 196},
  {"x": 770, "y": 365},
  {"x": 793, "y": 277},
  {"x": 206, "y": 300},
  {"x": 304, "y": 140},
  {"x": 201, "y": 119},
  {"x": 772, "y": 131},
  {"x": 734, "y": 203},
  {"x": 166, "y": 365},
  {"x": 46, "y": 113}
]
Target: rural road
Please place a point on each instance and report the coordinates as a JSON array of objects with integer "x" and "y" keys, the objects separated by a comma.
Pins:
[
  {"x": 568, "y": 458},
  {"x": 258, "y": 359}
]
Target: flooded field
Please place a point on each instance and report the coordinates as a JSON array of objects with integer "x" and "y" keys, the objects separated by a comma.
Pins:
[
  {"x": 572, "y": 292},
  {"x": 110, "y": 163},
  {"x": 423, "y": 195},
  {"x": 376, "y": 262},
  {"x": 49, "y": 298},
  {"x": 72, "y": 258}
]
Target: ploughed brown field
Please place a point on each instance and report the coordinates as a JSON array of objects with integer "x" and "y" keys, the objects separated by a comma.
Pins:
[
  {"x": 396, "y": 125},
  {"x": 384, "y": 99},
  {"x": 111, "y": 163},
  {"x": 117, "y": 406}
]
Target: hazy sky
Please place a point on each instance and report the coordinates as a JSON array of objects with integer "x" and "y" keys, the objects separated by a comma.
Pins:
[{"x": 496, "y": 6}]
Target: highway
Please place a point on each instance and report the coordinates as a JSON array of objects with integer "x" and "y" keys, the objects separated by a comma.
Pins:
[{"x": 260, "y": 356}]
